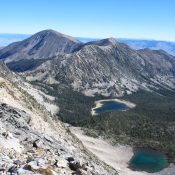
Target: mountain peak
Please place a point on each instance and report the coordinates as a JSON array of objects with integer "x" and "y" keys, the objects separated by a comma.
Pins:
[
  {"x": 45, "y": 44},
  {"x": 51, "y": 32},
  {"x": 104, "y": 42},
  {"x": 111, "y": 40}
]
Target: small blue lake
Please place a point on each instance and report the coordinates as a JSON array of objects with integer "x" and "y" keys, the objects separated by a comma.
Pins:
[
  {"x": 148, "y": 160},
  {"x": 108, "y": 106}
]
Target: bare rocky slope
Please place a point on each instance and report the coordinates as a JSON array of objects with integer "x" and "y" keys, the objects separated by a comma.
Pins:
[
  {"x": 108, "y": 67},
  {"x": 31, "y": 141},
  {"x": 104, "y": 67},
  {"x": 42, "y": 45}
]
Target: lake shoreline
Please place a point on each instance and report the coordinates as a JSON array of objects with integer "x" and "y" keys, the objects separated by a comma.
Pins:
[{"x": 99, "y": 104}]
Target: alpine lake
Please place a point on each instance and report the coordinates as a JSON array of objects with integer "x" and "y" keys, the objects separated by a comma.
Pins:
[{"x": 144, "y": 159}]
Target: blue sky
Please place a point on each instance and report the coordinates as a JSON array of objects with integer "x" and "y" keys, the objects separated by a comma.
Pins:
[{"x": 148, "y": 19}]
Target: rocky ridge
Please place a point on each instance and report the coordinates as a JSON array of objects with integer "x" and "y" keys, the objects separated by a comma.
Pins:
[
  {"x": 108, "y": 67},
  {"x": 104, "y": 67},
  {"x": 31, "y": 142}
]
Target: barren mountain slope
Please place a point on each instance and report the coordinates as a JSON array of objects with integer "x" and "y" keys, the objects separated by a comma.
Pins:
[
  {"x": 109, "y": 68},
  {"x": 31, "y": 142},
  {"x": 42, "y": 45}
]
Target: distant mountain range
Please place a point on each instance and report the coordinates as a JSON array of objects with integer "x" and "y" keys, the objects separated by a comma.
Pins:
[
  {"x": 142, "y": 44},
  {"x": 103, "y": 67},
  {"x": 6, "y": 39},
  {"x": 151, "y": 44}
]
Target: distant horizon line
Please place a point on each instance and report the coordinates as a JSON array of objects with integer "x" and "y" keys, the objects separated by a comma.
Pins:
[{"x": 96, "y": 38}]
